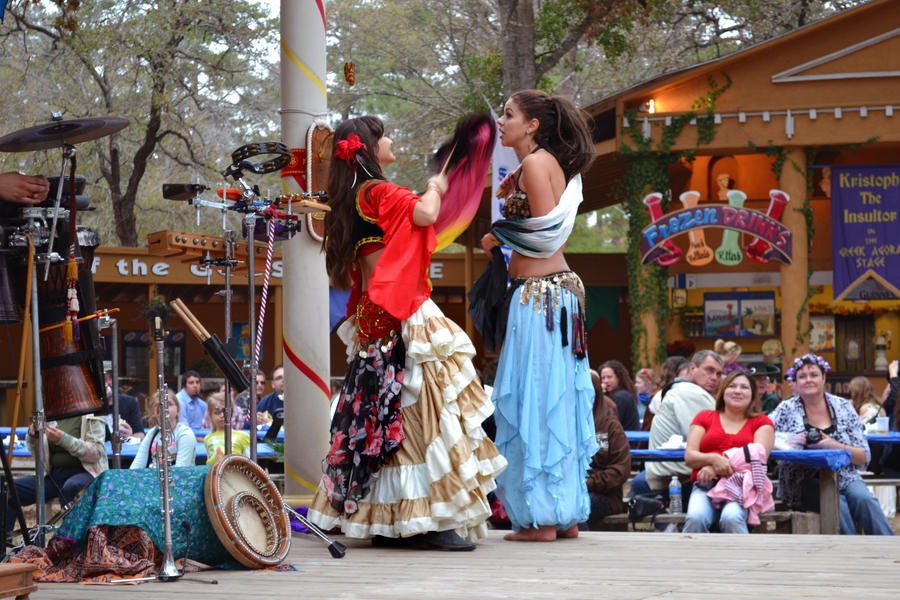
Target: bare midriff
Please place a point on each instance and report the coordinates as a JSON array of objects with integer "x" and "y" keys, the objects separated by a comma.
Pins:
[{"x": 525, "y": 266}]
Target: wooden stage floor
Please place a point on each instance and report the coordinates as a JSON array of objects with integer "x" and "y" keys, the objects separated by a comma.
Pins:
[{"x": 621, "y": 566}]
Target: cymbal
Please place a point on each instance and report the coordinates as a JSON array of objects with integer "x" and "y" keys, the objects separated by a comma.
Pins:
[{"x": 58, "y": 133}]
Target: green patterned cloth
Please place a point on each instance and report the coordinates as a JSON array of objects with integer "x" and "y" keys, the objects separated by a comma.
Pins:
[{"x": 132, "y": 497}]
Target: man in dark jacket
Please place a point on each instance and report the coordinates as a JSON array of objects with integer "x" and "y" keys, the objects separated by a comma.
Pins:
[{"x": 611, "y": 465}]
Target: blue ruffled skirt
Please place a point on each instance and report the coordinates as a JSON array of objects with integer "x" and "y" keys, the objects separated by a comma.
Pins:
[{"x": 544, "y": 412}]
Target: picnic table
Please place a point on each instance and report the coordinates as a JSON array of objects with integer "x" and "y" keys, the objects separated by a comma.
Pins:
[{"x": 828, "y": 462}]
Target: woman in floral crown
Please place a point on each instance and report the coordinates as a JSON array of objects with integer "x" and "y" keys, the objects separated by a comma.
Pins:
[
  {"x": 409, "y": 464},
  {"x": 823, "y": 421}
]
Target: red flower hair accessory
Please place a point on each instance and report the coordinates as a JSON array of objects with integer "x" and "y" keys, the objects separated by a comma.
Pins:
[{"x": 347, "y": 149}]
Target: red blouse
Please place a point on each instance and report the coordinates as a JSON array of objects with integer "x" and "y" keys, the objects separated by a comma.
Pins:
[
  {"x": 399, "y": 283},
  {"x": 717, "y": 440}
]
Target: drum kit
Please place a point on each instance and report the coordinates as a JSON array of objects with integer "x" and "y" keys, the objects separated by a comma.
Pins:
[{"x": 45, "y": 270}]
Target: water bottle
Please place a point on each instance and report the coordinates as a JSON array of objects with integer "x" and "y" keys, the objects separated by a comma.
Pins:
[{"x": 674, "y": 495}]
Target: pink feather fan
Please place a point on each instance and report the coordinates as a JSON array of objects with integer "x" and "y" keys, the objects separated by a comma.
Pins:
[{"x": 468, "y": 157}]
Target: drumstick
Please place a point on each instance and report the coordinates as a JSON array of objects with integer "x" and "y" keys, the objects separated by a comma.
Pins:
[
  {"x": 190, "y": 320},
  {"x": 188, "y": 317}
]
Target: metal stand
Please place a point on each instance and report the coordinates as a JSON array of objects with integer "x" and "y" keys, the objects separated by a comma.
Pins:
[
  {"x": 39, "y": 420},
  {"x": 228, "y": 263},
  {"x": 115, "y": 437},
  {"x": 168, "y": 571}
]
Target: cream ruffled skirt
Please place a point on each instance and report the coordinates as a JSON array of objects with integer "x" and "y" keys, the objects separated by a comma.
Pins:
[{"x": 439, "y": 478}]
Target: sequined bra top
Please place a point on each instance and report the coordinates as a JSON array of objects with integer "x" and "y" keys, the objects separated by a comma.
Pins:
[{"x": 516, "y": 204}]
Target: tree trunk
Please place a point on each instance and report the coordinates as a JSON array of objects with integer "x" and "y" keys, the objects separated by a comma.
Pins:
[{"x": 517, "y": 31}]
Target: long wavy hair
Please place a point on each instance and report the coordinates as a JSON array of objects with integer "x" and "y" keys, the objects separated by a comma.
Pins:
[
  {"x": 861, "y": 392},
  {"x": 621, "y": 373},
  {"x": 669, "y": 370},
  {"x": 562, "y": 129},
  {"x": 343, "y": 181}
]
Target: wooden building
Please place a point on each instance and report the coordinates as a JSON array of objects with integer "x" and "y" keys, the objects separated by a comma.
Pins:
[
  {"x": 809, "y": 104},
  {"x": 128, "y": 278}
]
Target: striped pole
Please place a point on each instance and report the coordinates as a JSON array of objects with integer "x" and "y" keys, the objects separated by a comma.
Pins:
[
  {"x": 305, "y": 334},
  {"x": 265, "y": 290}
]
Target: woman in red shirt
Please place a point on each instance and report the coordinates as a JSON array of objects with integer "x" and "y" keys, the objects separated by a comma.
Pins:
[{"x": 737, "y": 421}]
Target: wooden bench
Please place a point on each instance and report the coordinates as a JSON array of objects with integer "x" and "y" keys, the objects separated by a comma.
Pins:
[
  {"x": 881, "y": 481},
  {"x": 16, "y": 580},
  {"x": 775, "y": 521}
]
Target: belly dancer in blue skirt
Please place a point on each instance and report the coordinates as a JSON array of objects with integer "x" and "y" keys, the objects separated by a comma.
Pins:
[{"x": 542, "y": 391}]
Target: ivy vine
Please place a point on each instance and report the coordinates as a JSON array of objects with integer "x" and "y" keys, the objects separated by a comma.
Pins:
[{"x": 648, "y": 171}]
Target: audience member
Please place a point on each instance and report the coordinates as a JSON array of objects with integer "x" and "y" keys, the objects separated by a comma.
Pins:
[
  {"x": 729, "y": 352},
  {"x": 183, "y": 446},
  {"x": 215, "y": 439},
  {"x": 191, "y": 404},
  {"x": 684, "y": 400},
  {"x": 74, "y": 454},
  {"x": 823, "y": 421},
  {"x": 131, "y": 423},
  {"x": 242, "y": 400},
  {"x": 865, "y": 402},
  {"x": 673, "y": 369},
  {"x": 766, "y": 394},
  {"x": 890, "y": 404},
  {"x": 616, "y": 383},
  {"x": 611, "y": 465},
  {"x": 643, "y": 387},
  {"x": 274, "y": 402},
  {"x": 736, "y": 422}
]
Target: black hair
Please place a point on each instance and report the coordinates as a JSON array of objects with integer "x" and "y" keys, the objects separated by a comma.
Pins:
[
  {"x": 563, "y": 129},
  {"x": 344, "y": 178}
]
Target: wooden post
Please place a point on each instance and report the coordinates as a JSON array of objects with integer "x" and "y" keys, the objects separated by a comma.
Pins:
[
  {"x": 305, "y": 332},
  {"x": 277, "y": 325},
  {"x": 795, "y": 276},
  {"x": 829, "y": 502}
]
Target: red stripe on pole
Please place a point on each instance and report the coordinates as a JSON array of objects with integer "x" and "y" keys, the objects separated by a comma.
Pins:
[
  {"x": 305, "y": 369},
  {"x": 322, "y": 12}
]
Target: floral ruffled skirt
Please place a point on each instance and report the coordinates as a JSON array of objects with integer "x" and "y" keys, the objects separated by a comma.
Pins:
[{"x": 439, "y": 476}]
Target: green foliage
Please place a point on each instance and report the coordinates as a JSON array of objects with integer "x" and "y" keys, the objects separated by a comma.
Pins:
[
  {"x": 601, "y": 232},
  {"x": 193, "y": 77},
  {"x": 648, "y": 171}
]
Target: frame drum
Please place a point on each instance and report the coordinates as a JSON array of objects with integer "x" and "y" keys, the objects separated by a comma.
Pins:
[{"x": 247, "y": 512}]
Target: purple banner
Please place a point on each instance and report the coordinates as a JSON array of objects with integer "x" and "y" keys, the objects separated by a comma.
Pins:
[{"x": 865, "y": 203}]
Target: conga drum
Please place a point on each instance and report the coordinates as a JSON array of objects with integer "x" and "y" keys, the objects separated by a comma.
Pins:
[
  {"x": 247, "y": 512},
  {"x": 71, "y": 370}
]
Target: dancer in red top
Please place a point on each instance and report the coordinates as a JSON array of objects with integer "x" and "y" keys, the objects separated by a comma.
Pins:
[{"x": 409, "y": 464}]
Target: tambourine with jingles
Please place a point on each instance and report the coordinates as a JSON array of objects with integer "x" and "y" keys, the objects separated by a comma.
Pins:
[{"x": 247, "y": 512}]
